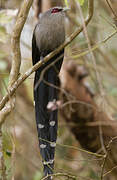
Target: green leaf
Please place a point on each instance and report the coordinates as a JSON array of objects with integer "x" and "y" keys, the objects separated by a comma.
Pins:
[
  {"x": 38, "y": 176},
  {"x": 66, "y": 3},
  {"x": 81, "y": 2},
  {"x": 3, "y": 65},
  {"x": 7, "y": 15},
  {"x": 8, "y": 153},
  {"x": 4, "y": 19},
  {"x": 3, "y": 35},
  {"x": 113, "y": 92},
  {"x": 3, "y": 54}
]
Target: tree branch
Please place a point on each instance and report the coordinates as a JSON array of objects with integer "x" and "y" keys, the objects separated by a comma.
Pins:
[
  {"x": 19, "y": 81},
  {"x": 16, "y": 56}
]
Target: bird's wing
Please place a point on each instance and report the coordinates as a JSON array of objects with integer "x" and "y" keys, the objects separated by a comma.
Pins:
[{"x": 35, "y": 50}]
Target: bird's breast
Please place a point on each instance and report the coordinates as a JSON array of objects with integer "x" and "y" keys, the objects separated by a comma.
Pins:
[{"x": 49, "y": 37}]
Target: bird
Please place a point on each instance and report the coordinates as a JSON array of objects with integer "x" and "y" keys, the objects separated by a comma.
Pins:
[{"x": 48, "y": 34}]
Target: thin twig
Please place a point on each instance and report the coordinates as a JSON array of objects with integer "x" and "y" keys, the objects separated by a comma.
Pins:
[
  {"x": 75, "y": 148},
  {"x": 103, "y": 165},
  {"x": 96, "y": 46},
  {"x": 110, "y": 171},
  {"x": 105, "y": 158},
  {"x": 65, "y": 175},
  {"x": 109, "y": 4}
]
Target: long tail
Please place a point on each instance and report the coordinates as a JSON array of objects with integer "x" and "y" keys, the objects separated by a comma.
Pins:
[{"x": 46, "y": 120}]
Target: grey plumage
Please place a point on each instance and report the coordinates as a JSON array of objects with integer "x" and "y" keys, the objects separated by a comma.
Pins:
[{"x": 49, "y": 33}]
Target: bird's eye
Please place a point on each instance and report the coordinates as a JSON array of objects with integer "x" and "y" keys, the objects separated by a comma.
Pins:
[{"x": 56, "y": 10}]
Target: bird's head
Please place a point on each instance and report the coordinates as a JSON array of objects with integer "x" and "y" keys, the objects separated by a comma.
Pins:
[
  {"x": 58, "y": 9},
  {"x": 54, "y": 15}
]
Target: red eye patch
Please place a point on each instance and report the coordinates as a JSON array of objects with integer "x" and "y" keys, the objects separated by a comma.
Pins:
[{"x": 56, "y": 10}]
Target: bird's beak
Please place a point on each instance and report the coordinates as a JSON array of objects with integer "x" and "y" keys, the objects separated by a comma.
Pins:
[{"x": 66, "y": 9}]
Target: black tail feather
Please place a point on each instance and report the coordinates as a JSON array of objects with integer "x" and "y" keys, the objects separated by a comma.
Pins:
[{"x": 47, "y": 124}]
